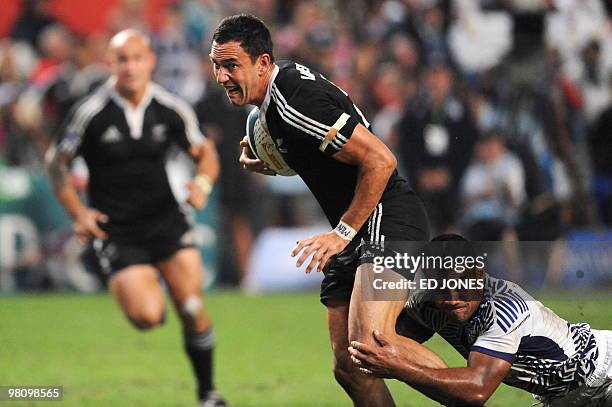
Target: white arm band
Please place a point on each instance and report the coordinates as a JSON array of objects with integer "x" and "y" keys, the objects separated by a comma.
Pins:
[
  {"x": 333, "y": 131},
  {"x": 345, "y": 231}
]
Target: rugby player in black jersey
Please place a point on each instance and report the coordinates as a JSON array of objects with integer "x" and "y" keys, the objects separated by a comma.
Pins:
[
  {"x": 324, "y": 137},
  {"x": 124, "y": 131}
]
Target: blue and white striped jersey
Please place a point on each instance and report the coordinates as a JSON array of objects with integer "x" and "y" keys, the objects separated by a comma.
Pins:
[{"x": 549, "y": 356}]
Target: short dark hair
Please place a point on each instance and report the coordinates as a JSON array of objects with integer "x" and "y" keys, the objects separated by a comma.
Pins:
[
  {"x": 455, "y": 246},
  {"x": 449, "y": 237},
  {"x": 450, "y": 244},
  {"x": 252, "y": 34},
  {"x": 495, "y": 133}
]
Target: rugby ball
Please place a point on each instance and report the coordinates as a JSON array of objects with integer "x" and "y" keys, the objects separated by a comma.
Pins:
[{"x": 263, "y": 147}]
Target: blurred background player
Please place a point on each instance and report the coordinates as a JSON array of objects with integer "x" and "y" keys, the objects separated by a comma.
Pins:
[
  {"x": 326, "y": 139},
  {"x": 505, "y": 335},
  {"x": 124, "y": 131}
]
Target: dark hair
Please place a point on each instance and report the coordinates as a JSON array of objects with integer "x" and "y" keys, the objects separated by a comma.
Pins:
[
  {"x": 455, "y": 246},
  {"x": 449, "y": 237},
  {"x": 252, "y": 34},
  {"x": 450, "y": 244},
  {"x": 495, "y": 133}
]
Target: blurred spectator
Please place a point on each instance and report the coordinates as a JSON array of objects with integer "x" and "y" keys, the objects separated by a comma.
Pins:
[
  {"x": 309, "y": 37},
  {"x": 391, "y": 90},
  {"x": 33, "y": 20},
  {"x": 600, "y": 143},
  {"x": 85, "y": 70},
  {"x": 594, "y": 80},
  {"x": 436, "y": 139},
  {"x": 492, "y": 190},
  {"x": 16, "y": 62},
  {"x": 569, "y": 27},
  {"x": 548, "y": 186},
  {"x": 178, "y": 67},
  {"x": 524, "y": 64},
  {"x": 431, "y": 27},
  {"x": 200, "y": 19},
  {"x": 479, "y": 40},
  {"x": 55, "y": 44},
  {"x": 405, "y": 53},
  {"x": 70, "y": 68},
  {"x": 563, "y": 120},
  {"x": 385, "y": 18},
  {"x": 127, "y": 14}
]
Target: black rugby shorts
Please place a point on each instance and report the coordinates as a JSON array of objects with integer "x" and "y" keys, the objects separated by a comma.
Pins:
[
  {"x": 399, "y": 218},
  {"x": 147, "y": 243}
]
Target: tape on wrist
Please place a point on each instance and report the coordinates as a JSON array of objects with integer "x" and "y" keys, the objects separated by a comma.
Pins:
[
  {"x": 204, "y": 183},
  {"x": 345, "y": 231}
]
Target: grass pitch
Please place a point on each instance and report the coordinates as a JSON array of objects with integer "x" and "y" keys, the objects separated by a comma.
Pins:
[{"x": 272, "y": 351}]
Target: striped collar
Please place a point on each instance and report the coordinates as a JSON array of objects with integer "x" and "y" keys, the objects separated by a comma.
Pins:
[
  {"x": 266, "y": 102},
  {"x": 134, "y": 115},
  {"x": 124, "y": 104}
]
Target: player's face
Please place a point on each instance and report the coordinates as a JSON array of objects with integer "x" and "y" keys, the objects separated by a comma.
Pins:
[
  {"x": 489, "y": 151},
  {"x": 237, "y": 73},
  {"x": 132, "y": 63},
  {"x": 457, "y": 310}
]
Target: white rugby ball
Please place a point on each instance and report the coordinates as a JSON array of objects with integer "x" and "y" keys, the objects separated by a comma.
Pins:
[{"x": 263, "y": 147}]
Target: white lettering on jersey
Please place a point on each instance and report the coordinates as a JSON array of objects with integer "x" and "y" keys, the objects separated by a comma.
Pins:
[{"x": 305, "y": 72}]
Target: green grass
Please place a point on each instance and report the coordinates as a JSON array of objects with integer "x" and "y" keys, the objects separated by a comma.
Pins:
[{"x": 272, "y": 351}]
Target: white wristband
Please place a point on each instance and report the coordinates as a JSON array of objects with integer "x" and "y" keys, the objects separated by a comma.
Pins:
[
  {"x": 345, "y": 231},
  {"x": 203, "y": 181}
]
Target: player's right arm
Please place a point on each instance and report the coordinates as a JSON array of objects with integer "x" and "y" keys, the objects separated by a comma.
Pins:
[
  {"x": 86, "y": 220},
  {"x": 247, "y": 161},
  {"x": 321, "y": 113},
  {"x": 465, "y": 386}
]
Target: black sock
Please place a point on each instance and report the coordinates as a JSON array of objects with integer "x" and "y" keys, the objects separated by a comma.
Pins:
[{"x": 199, "y": 348}]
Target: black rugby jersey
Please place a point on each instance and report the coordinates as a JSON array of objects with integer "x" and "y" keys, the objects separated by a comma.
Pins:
[
  {"x": 125, "y": 149},
  {"x": 300, "y": 108}
]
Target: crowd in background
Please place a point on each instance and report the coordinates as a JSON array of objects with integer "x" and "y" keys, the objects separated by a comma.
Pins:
[{"x": 499, "y": 111}]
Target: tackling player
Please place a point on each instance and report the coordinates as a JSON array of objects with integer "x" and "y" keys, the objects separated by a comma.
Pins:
[
  {"x": 505, "y": 335},
  {"x": 324, "y": 137},
  {"x": 124, "y": 131}
]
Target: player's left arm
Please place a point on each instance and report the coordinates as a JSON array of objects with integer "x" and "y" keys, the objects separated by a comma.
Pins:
[
  {"x": 207, "y": 172},
  {"x": 188, "y": 135},
  {"x": 471, "y": 385},
  {"x": 375, "y": 163}
]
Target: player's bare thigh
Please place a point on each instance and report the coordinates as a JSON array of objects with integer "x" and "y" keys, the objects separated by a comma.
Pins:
[
  {"x": 137, "y": 290},
  {"x": 184, "y": 273},
  {"x": 370, "y": 311}
]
